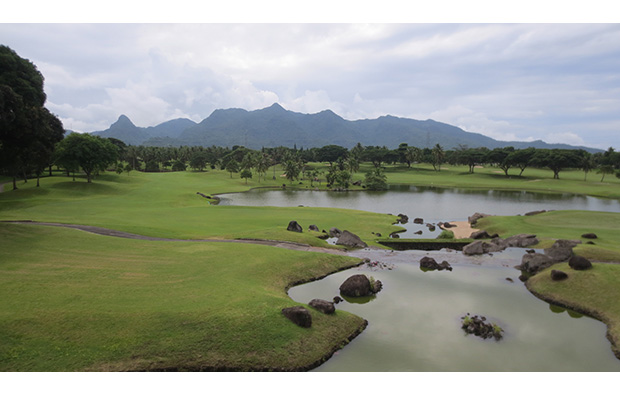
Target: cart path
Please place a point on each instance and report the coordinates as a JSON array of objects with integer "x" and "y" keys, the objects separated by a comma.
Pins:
[{"x": 116, "y": 233}]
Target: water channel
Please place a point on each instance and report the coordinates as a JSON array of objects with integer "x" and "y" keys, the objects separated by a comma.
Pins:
[{"x": 414, "y": 322}]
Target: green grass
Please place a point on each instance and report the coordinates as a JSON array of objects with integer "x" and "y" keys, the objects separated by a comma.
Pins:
[
  {"x": 567, "y": 224},
  {"x": 166, "y": 205},
  {"x": 78, "y": 301},
  {"x": 534, "y": 180},
  {"x": 594, "y": 292}
]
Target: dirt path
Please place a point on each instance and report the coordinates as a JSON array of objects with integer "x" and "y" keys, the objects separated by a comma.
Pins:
[{"x": 115, "y": 233}]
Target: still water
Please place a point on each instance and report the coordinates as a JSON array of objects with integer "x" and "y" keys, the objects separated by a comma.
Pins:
[
  {"x": 431, "y": 204},
  {"x": 414, "y": 322}
]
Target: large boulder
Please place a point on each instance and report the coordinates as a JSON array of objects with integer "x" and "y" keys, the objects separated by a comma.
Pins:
[
  {"x": 579, "y": 263},
  {"x": 589, "y": 236},
  {"x": 299, "y": 315},
  {"x": 402, "y": 218},
  {"x": 429, "y": 263},
  {"x": 323, "y": 306},
  {"x": 521, "y": 240},
  {"x": 561, "y": 250},
  {"x": 293, "y": 226},
  {"x": 474, "y": 218},
  {"x": 350, "y": 240},
  {"x": 480, "y": 234},
  {"x": 418, "y": 221},
  {"x": 356, "y": 285},
  {"x": 313, "y": 228},
  {"x": 475, "y": 248},
  {"x": 534, "y": 262},
  {"x": 558, "y": 275},
  {"x": 335, "y": 232}
]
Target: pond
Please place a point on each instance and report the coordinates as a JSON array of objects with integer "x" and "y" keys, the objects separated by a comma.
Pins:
[
  {"x": 431, "y": 204},
  {"x": 415, "y": 321}
]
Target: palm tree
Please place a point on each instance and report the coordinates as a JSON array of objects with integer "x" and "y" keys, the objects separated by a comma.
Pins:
[{"x": 438, "y": 157}]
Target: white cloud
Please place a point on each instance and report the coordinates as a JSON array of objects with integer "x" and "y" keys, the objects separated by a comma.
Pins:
[{"x": 564, "y": 138}]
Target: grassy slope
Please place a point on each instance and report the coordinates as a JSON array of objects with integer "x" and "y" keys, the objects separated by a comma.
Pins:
[
  {"x": 166, "y": 205},
  {"x": 77, "y": 301}
]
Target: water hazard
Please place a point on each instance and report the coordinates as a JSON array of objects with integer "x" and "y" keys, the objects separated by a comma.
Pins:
[{"x": 415, "y": 321}]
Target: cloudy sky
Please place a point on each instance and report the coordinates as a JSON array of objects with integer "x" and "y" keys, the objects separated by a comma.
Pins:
[{"x": 555, "y": 82}]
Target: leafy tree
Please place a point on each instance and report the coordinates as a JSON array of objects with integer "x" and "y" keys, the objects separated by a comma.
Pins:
[
  {"x": 555, "y": 159},
  {"x": 521, "y": 158},
  {"x": 376, "y": 155},
  {"x": 198, "y": 160},
  {"x": 28, "y": 131},
  {"x": 179, "y": 165},
  {"x": 499, "y": 156},
  {"x": 605, "y": 169},
  {"x": 91, "y": 153},
  {"x": 376, "y": 180},
  {"x": 412, "y": 154},
  {"x": 331, "y": 153},
  {"x": 246, "y": 173},
  {"x": 232, "y": 167}
]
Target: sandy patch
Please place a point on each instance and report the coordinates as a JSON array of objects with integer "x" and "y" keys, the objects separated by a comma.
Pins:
[{"x": 462, "y": 229}]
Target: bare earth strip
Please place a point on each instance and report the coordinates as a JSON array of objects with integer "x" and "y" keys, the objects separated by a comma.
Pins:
[
  {"x": 462, "y": 229},
  {"x": 125, "y": 235}
]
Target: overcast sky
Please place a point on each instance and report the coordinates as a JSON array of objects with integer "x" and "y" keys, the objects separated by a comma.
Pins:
[{"x": 555, "y": 82}]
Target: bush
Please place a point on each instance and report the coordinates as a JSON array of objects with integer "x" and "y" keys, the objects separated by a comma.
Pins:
[{"x": 446, "y": 234}]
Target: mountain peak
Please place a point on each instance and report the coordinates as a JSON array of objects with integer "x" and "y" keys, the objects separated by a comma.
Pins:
[{"x": 123, "y": 121}]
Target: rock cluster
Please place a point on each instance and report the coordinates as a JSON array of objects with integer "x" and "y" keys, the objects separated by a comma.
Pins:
[
  {"x": 560, "y": 251},
  {"x": 497, "y": 244},
  {"x": 429, "y": 263},
  {"x": 479, "y": 327},
  {"x": 402, "y": 219}
]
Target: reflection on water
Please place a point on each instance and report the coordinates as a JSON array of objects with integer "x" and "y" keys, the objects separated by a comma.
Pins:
[
  {"x": 414, "y": 322},
  {"x": 431, "y": 204}
]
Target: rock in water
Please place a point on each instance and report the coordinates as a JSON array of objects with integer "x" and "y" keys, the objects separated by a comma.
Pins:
[
  {"x": 298, "y": 315},
  {"x": 356, "y": 285}
]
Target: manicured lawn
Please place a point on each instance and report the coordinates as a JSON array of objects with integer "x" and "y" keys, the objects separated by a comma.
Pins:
[
  {"x": 166, "y": 205},
  {"x": 77, "y": 301},
  {"x": 565, "y": 225}
]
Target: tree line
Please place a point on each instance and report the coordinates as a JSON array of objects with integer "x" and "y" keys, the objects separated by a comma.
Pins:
[{"x": 32, "y": 140}]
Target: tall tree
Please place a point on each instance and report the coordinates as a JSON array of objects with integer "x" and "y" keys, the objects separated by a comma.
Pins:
[
  {"x": 91, "y": 153},
  {"x": 28, "y": 131},
  {"x": 438, "y": 157}
]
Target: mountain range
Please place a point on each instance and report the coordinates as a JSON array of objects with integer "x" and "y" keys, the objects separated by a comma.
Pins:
[{"x": 275, "y": 126}]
